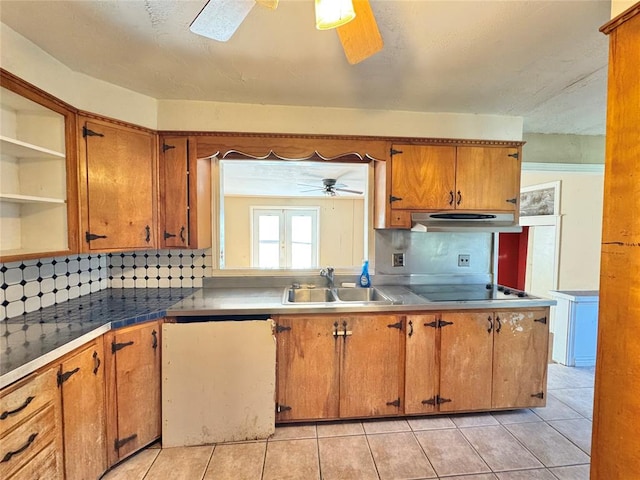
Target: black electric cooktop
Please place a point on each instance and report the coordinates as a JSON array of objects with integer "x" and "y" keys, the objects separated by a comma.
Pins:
[{"x": 466, "y": 293}]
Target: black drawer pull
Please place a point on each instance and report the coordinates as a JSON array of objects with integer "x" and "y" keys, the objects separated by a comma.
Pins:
[
  {"x": 6, "y": 413},
  {"x": 8, "y": 456},
  {"x": 182, "y": 239},
  {"x": 119, "y": 346},
  {"x": 154, "y": 343}
]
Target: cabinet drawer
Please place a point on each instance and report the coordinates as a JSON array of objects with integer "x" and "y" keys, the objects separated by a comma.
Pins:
[
  {"x": 46, "y": 465},
  {"x": 22, "y": 400},
  {"x": 21, "y": 444}
]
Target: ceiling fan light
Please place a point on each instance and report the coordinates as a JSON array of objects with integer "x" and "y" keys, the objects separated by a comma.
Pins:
[{"x": 333, "y": 13}]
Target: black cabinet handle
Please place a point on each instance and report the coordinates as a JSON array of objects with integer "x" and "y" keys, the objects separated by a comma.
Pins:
[
  {"x": 490, "y": 320},
  {"x": 154, "y": 344},
  {"x": 6, "y": 413},
  {"x": 450, "y": 197},
  {"x": 410, "y": 328},
  {"x": 182, "y": 235},
  {"x": 499, "y": 324},
  {"x": 147, "y": 229},
  {"x": 8, "y": 456},
  {"x": 335, "y": 330},
  {"x": 459, "y": 198},
  {"x": 96, "y": 363},
  {"x": 167, "y": 235}
]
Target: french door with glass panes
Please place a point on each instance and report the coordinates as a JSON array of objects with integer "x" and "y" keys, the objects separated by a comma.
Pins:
[{"x": 284, "y": 237}]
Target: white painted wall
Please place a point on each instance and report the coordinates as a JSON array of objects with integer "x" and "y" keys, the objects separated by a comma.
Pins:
[
  {"x": 24, "y": 59},
  {"x": 581, "y": 230},
  {"x": 619, "y": 6}
]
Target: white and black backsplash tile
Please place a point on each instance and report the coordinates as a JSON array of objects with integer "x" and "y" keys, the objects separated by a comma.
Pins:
[
  {"x": 159, "y": 268},
  {"x": 31, "y": 285}
]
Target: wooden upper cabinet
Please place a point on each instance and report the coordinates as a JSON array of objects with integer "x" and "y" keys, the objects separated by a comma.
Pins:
[
  {"x": 520, "y": 352},
  {"x": 119, "y": 201},
  {"x": 185, "y": 194},
  {"x": 38, "y": 167},
  {"x": 83, "y": 412},
  {"x": 422, "y": 176},
  {"x": 436, "y": 178},
  {"x": 487, "y": 178}
]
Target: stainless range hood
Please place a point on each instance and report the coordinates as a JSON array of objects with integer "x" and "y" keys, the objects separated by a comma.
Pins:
[{"x": 464, "y": 222}]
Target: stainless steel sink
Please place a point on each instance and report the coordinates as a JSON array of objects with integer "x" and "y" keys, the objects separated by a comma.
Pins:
[
  {"x": 308, "y": 295},
  {"x": 334, "y": 296},
  {"x": 360, "y": 295}
]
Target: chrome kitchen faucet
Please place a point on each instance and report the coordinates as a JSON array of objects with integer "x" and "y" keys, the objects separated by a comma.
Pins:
[{"x": 328, "y": 273}]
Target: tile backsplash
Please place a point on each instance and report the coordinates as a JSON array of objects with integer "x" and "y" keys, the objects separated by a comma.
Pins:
[{"x": 31, "y": 285}]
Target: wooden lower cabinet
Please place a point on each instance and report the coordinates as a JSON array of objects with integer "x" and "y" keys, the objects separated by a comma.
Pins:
[
  {"x": 470, "y": 361},
  {"x": 31, "y": 428},
  {"x": 132, "y": 357},
  {"x": 82, "y": 386},
  {"x": 338, "y": 366}
]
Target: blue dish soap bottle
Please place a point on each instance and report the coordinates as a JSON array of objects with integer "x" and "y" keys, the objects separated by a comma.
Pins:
[{"x": 365, "y": 281}]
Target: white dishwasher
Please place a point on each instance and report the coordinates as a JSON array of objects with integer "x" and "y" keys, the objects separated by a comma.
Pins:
[{"x": 218, "y": 381}]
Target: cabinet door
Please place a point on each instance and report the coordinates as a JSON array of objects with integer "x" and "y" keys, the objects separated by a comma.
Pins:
[
  {"x": 307, "y": 368},
  {"x": 520, "y": 346},
  {"x": 83, "y": 413},
  {"x": 487, "y": 178},
  {"x": 174, "y": 192},
  {"x": 120, "y": 187},
  {"x": 423, "y": 177},
  {"x": 421, "y": 378},
  {"x": 137, "y": 387},
  {"x": 466, "y": 345},
  {"x": 372, "y": 366}
]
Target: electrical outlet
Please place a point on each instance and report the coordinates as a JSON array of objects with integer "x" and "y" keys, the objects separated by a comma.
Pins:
[
  {"x": 464, "y": 260},
  {"x": 398, "y": 260}
]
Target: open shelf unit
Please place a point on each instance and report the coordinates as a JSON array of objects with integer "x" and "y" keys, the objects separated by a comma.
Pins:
[{"x": 34, "y": 172}]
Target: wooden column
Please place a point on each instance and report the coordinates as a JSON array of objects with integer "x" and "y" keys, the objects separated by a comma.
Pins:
[{"x": 616, "y": 417}]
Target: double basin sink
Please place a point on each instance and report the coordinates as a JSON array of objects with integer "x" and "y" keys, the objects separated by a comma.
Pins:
[{"x": 335, "y": 295}]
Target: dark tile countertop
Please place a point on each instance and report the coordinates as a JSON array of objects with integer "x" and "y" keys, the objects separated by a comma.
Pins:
[{"x": 35, "y": 339}]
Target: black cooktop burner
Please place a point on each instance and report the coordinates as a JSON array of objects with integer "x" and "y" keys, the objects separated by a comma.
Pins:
[{"x": 465, "y": 293}]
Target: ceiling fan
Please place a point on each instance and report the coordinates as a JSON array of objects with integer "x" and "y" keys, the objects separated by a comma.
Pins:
[
  {"x": 330, "y": 187},
  {"x": 360, "y": 37}
]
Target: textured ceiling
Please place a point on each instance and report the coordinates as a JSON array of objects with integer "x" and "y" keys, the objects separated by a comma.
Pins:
[{"x": 544, "y": 61}]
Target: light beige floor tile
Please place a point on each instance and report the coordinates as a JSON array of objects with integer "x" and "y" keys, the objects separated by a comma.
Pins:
[
  {"x": 237, "y": 461},
  {"x": 339, "y": 429},
  {"x": 555, "y": 410},
  {"x": 430, "y": 423},
  {"x": 499, "y": 448},
  {"x": 560, "y": 376},
  {"x": 516, "y": 416},
  {"x": 180, "y": 463},
  {"x": 473, "y": 420},
  {"x": 551, "y": 448},
  {"x": 290, "y": 432},
  {"x": 344, "y": 458},
  {"x": 575, "y": 472},
  {"x": 398, "y": 456},
  {"x": 292, "y": 460},
  {"x": 482, "y": 476},
  {"x": 580, "y": 399},
  {"x": 537, "y": 474},
  {"x": 578, "y": 431},
  {"x": 134, "y": 468},
  {"x": 386, "y": 426},
  {"x": 450, "y": 453}
]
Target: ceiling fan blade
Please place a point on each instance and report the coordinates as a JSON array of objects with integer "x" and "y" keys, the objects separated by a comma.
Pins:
[
  {"x": 272, "y": 4},
  {"x": 219, "y": 19},
  {"x": 348, "y": 191},
  {"x": 360, "y": 37}
]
